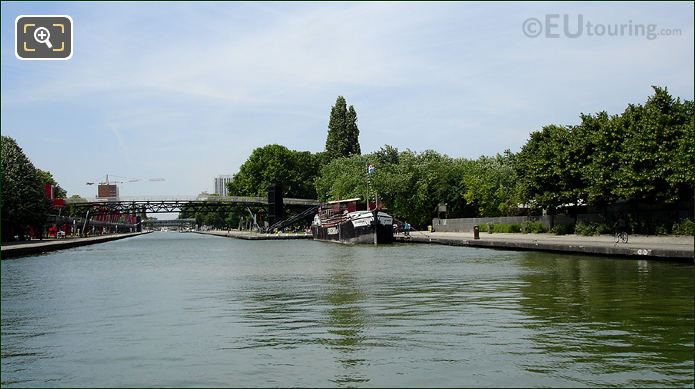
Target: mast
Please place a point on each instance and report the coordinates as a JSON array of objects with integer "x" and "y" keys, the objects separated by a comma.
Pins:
[
  {"x": 375, "y": 213},
  {"x": 376, "y": 225},
  {"x": 371, "y": 170}
]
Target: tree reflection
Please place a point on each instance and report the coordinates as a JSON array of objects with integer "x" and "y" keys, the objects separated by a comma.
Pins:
[
  {"x": 322, "y": 308},
  {"x": 346, "y": 317},
  {"x": 613, "y": 315}
]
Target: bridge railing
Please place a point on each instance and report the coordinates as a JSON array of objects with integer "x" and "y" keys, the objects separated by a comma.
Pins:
[
  {"x": 169, "y": 222},
  {"x": 169, "y": 198},
  {"x": 184, "y": 198}
]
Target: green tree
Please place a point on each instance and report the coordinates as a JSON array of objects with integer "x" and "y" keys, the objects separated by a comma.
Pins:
[
  {"x": 23, "y": 202},
  {"x": 643, "y": 156},
  {"x": 682, "y": 159},
  {"x": 343, "y": 133},
  {"x": 547, "y": 166},
  {"x": 47, "y": 178},
  {"x": 342, "y": 178},
  {"x": 598, "y": 140},
  {"x": 433, "y": 178},
  {"x": 408, "y": 184},
  {"x": 387, "y": 155},
  {"x": 69, "y": 208},
  {"x": 294, "y": 170},
  {"x": 657, "y": 150},
  {"x": 490, "y": 185},
  {"x": 352, "y": 133},
  {"x": 222, "y": 218},
  {"x": 76, "y": 198}
]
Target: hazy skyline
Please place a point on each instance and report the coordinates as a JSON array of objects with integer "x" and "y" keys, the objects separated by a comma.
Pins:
[{"x": 185, "y": 91}]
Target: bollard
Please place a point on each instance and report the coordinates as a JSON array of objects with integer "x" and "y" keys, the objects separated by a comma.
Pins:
[{"x": 476, "y": 232}]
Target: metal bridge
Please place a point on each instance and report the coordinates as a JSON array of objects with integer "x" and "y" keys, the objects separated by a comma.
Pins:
[
  {"x": 168, "y": 204},
  {"x": 169, "y": 223},
  {"x": 138, "y": 207}
]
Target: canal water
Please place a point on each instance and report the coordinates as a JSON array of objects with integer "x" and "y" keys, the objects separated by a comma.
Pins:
[{"x": 174, "y": 309}]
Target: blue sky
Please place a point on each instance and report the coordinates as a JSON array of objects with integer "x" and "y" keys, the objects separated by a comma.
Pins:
[{"x": 185, "y": 91}]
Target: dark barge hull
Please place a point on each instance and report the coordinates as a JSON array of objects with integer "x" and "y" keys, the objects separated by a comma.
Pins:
[{"x": 348, "y": 234}]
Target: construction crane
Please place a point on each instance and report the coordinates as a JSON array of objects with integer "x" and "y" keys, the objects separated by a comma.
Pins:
[
  {"x": 129, "y": 180},
  {"x": 109, "y": 190}
]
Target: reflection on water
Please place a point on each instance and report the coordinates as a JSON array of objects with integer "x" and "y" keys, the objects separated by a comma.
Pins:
[
  {"x": 326, "y": 313},
  {"x": 346, "y": 318},
  {"x": 611, "y": 318},
  {"x": 174, "y": 309}
]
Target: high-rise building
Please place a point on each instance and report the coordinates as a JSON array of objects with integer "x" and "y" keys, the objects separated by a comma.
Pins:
[{"x": 221, "y": 184}]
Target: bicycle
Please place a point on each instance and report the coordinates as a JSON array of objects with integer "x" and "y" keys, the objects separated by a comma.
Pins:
[{"x": 621, "y": 236}]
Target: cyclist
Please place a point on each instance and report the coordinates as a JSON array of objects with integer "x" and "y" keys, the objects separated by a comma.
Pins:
[{"x": 620, "y": 227}]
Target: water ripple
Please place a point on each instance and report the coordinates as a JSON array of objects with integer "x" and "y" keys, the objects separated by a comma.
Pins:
[{"x": 189, "y": 310}]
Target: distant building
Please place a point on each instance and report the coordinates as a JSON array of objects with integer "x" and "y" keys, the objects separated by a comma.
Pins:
[
  {"x": 107, "y": 191},
  {"x": 221, "y": 184}
]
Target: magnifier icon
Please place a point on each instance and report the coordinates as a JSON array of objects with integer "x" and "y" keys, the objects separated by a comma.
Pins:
[{"x": 42, "y": 35}]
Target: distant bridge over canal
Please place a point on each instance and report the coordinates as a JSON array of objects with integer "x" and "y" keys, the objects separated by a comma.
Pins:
[
  {"x": 274, "y": 204},
  {"x": 169, "y": 223},
  {"x": 168, "y": 204}
]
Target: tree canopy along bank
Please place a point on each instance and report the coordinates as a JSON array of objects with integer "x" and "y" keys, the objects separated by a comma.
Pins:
[
  {"x": 23, "y": 202},
  {"x": 641, "y": 158},
  {"x": 645, "y": 154},
  {"x": 638, "y": 161}
]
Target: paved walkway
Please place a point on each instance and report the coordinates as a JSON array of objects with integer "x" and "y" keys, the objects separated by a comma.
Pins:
[
  {"x": 676, "y": 247},
  {"x": 15, "y": 249},
  {"x": 665, "y": 247}
]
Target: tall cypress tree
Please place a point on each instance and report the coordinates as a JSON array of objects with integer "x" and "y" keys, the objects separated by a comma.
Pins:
[
  {"x": 352, "y": 133},
  {"x": 343, "y": 134}
]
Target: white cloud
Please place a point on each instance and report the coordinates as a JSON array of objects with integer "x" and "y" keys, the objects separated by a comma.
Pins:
[{"x": 208, "y": 82}]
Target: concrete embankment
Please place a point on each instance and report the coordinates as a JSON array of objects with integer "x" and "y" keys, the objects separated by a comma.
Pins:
[
  {"x": 655, "y": 247},
  {"x": 248, "y": 235},
  {"x": 13, "y": 250}
]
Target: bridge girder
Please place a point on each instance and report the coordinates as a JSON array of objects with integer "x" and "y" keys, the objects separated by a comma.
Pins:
[
  {"x": 170, "y": 206},
  {"x": 169, "y": 223}
]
